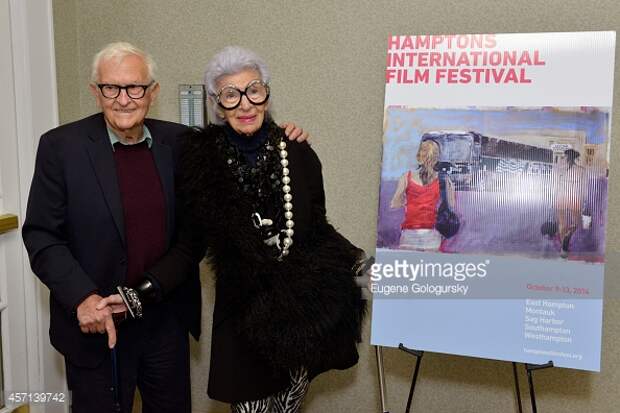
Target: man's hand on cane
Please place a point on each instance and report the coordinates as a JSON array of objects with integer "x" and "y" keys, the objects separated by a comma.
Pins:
[{"x": 94, "y": 318}]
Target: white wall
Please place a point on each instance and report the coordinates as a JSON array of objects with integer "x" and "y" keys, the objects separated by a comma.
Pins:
[{"x": 28, "y": 108}]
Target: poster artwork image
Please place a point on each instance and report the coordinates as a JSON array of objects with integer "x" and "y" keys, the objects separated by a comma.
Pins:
[{"x": 493, "y": 197}]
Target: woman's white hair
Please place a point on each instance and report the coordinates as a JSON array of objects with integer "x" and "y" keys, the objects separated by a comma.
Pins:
[
  {"x": 118, "y": 51},
  {"x": 229, "y": 61}
]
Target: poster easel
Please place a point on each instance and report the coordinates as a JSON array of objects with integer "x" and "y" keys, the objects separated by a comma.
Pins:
[{"x": 418, "y": 354}]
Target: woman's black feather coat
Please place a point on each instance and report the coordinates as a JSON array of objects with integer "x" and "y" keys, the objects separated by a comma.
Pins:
[{"x": 303, "y": 311}]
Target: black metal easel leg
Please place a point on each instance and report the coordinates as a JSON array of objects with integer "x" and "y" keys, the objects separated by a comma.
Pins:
[
  {"x": 418, "y": 355},
  {"x": 530, "y": 368},
  {"x": 532, "y": 393},
  {"x": 517, "y": 390}
]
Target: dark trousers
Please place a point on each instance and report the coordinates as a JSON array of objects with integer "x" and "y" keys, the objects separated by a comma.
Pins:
[{"x": 152, "y": 355}]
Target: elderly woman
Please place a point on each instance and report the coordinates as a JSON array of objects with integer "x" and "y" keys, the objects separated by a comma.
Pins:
[{"x": 287, "y": 305}]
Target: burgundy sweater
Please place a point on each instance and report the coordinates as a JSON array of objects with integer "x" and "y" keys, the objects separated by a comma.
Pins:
[{"x": 144, "y": 208}]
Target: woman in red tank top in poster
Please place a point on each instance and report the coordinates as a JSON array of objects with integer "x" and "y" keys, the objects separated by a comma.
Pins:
[{"x": 419, "y": 193}]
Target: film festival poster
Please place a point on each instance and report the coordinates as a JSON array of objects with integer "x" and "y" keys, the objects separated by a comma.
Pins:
[{"x": 493, "y": 196}]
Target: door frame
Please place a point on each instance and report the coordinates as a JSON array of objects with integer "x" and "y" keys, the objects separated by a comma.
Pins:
[{"x": 34, "y": 365}]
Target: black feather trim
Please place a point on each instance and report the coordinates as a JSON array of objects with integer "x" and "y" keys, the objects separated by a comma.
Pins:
[{"x": 303, "y": 311}]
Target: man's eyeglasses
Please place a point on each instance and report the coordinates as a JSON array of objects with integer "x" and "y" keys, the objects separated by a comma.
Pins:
[
  {"x": 229, "y": 97},
  {"x": 133, "y": 91}
]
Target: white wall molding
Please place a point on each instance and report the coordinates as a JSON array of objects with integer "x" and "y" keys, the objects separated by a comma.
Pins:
[{"x": 36, "y": 111}]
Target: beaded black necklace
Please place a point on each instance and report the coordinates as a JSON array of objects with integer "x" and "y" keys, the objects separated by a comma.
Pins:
[{"x": 261, "y": 183}]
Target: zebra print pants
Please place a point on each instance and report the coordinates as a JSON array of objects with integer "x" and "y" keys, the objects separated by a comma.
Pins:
[{"x": 288, "y": 400}]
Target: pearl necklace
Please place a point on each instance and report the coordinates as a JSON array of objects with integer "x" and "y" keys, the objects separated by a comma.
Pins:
[
  {"x": 288, "y": 206},
  {"x": 272, "y": 238}
]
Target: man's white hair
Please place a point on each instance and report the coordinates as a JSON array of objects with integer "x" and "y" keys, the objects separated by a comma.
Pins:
[{"x": 118, "y": 51}]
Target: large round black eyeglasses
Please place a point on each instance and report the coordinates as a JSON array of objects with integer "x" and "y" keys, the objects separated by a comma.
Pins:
[
  {"x": 229, "y": 97},
  {"x": 133, "y": 91}
]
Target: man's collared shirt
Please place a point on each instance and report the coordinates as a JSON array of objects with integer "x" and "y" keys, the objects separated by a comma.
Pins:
[{"x": 146, "y": 136}]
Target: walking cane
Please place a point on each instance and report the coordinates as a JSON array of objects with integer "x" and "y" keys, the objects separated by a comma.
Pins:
[{"x": 116, "y": 405}]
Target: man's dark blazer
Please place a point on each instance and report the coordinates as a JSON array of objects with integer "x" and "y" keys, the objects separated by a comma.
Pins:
[{"x": 74, "y": 230}]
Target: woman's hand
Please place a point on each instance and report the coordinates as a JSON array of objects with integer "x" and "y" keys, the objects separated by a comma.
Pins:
[
  {"x": 294, "y": 133},
  {"x": 363, "y": 269},
  {"x": 364, "y": 282},
  {"x": 114, "y": 303}
]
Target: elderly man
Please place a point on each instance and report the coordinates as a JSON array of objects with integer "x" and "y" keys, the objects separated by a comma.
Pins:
[{"x": 101, "y": 210}]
